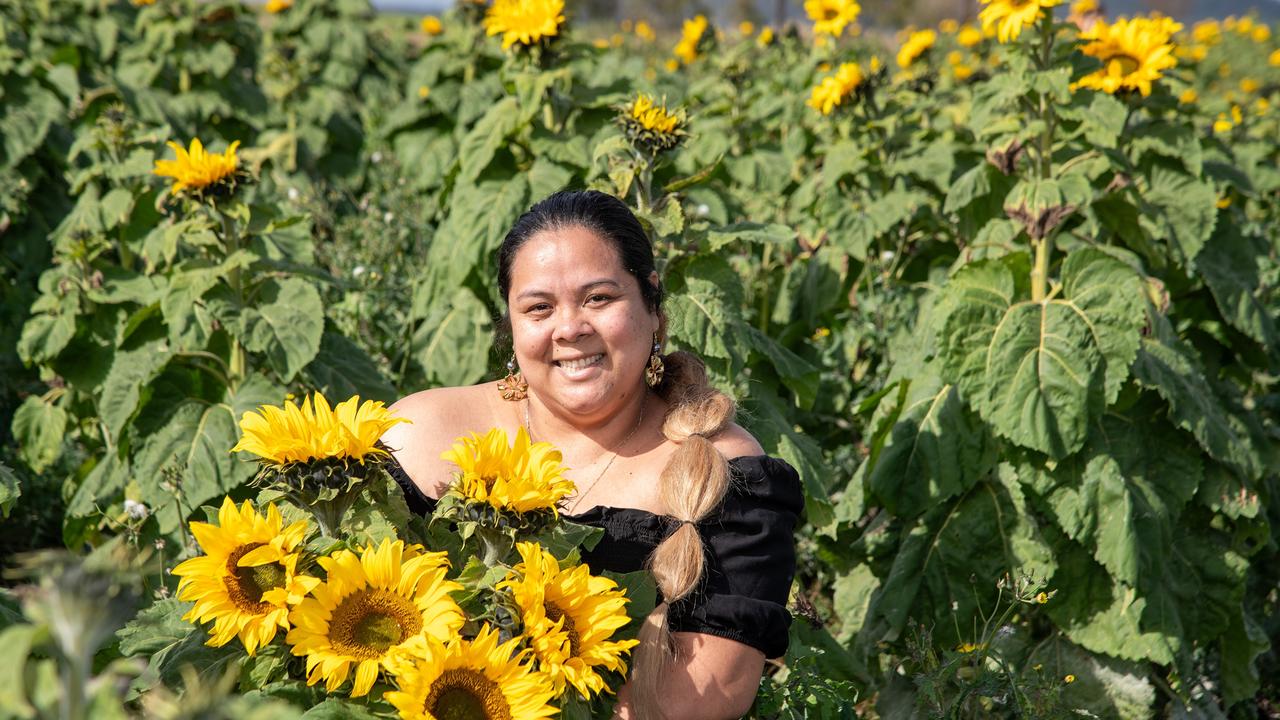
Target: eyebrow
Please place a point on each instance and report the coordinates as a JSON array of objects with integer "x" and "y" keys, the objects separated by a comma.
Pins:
[{"x": 585, "y": 286}]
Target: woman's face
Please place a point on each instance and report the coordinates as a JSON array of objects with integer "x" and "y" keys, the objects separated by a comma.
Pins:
[{"x": 581, "y": 330}]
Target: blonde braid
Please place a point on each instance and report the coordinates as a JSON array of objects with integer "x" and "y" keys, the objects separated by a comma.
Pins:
[{"x": 691, "y": 485}]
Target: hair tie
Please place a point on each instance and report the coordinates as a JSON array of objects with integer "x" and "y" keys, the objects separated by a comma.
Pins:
[{"x": 689, "y": 522}]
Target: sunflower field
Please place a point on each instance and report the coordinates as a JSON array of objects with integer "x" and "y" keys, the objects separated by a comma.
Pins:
[{"x": 1005, "y": 291}]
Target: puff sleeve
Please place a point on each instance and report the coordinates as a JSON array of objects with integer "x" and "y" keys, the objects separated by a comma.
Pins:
[{"x": 751, "y": 559}]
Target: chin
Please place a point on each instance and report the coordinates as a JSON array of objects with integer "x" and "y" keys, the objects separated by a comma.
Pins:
[{"x": 584, "y": 398}]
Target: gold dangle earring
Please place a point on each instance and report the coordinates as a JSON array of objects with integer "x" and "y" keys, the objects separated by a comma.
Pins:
[
  {"x": 653, "y": 371},
  {"x": 513, "y": 387}
]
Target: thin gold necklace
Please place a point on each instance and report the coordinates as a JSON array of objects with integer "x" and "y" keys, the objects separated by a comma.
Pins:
[{"x": 577, "y": 500}]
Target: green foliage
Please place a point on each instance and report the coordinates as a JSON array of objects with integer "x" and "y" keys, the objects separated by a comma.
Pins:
[{"x": 1000, "y": 326}]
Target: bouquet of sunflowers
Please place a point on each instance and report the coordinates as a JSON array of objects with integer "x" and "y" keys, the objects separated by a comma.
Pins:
[{"x": 482, "y": 610}]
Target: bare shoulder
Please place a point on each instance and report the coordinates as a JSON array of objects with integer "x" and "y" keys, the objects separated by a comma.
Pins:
[
  {"x": 734, "y": 441},
  {"x": 436, "y": 417}
]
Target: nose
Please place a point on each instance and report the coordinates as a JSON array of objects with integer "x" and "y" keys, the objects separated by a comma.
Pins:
[{"x": 571, "y": 324}]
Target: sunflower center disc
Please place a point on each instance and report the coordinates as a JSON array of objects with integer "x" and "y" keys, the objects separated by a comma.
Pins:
[
  {"x": 466, "y": 695},
  {"x": 262, "y": 578},
  {"x": 1126, "y": 64},
  {"x": 554, "y": 613},
  {"x": 246, "y": 585},
  {"x": 377, "y": 631},
  {"x": 367, "y": 623}
]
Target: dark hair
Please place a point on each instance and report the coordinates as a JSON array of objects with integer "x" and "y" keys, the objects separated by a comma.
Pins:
[{"x": 605, "y": 215}]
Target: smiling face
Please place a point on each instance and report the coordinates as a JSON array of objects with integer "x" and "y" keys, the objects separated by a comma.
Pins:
[{"x": 581, "y": 329}]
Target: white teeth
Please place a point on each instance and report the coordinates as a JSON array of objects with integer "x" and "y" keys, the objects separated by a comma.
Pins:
[{"x": 580, "y": 363}]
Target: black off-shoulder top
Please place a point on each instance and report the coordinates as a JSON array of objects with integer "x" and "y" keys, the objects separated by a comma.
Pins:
[{"x": 749, "y": 542}]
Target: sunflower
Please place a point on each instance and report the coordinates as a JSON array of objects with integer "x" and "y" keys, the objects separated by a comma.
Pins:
[
  {"x": 316, "y": 431},
  {"x": 526, "y": 22},
  {"x": 478, "y": 679},
  {"x": 692, "y": 36},
  {"x": 651, "y": 126},
  {"x": 830, "y": 17},
  {"x": 277, "y": 6},
  {"x": 374, "y": 611},
  {"x": 969, "y": 36},
  {"x": 835, "y": 88},
  {"x": 318, "y": 457},
  {"x": 917, "y": 44},
  {"x": 197, "y": 169},
  {"x": 431, "y": 25},
  {"x": 524, "y": 477},
  {"x": 569, "y": 616},
  {"x": 1134, "y": 53},
  {"x": 1010, "y": 17},
  {"x": 247, "y": 579}
]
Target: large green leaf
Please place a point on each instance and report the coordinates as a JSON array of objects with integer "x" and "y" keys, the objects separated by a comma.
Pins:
[
  {"x": 1102, "y": 615},
  {"x": 1189, "y": 596},
  {"x": 1037, "y": 372},
  {"x": 342, "y": 369},
  {"x": 479, "y": 145},
  {"x": 1110, "y": 297},
  {"x": 1032, "y": 370},
  {"x": 949, "y": 559},
  {"x": 797, "y": 374},
  {"x": 28, "y": 114},
  {"x": 132, "y": 367},
  {"x": 1170, "y": 367},
  {"x": 193, "y": 452},
  {"x": 935, "y": 450},
  {"x": 703, "y": 315},
  {"x": 766, "y": 418},
  {"x": 478, "y": 219},
  {"x": 38, "y": 427},
  {"x": 101, "y": 486},
  {"x": 1122, "y": 495},
  {"x": 452, "y": 344},
  {"x": 1231, "y": 265},
  {"x": 1243, "y": 642},
  {"x": 1181, "y": 208},
  {"x": 285, "y": 323},
  {"x": 47, "y": 334}
]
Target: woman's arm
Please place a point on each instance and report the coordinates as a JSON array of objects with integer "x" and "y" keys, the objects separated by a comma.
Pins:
[{"x": 711, "y": 678}]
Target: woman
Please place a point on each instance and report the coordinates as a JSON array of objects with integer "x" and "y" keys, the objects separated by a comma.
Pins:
[{"x": 657, "y": 460}]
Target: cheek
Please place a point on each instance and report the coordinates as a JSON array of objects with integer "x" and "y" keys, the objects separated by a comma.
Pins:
[{"x": 528, "y": 337}]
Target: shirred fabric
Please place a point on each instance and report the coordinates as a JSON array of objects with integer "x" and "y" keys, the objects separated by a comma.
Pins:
[{"x": 749, "y": 543}]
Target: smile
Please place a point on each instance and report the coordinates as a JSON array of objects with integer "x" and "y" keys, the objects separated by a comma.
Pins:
[{"x": 580, "y": 363}]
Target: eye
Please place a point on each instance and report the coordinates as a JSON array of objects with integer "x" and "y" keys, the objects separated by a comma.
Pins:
[
  {"x": 538, "y": 309},
  {"x": 598, "y": 299}
]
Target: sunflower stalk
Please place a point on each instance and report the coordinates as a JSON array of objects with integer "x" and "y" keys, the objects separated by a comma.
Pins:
[
  {"x": 1044, "y": 246},
  {"x": 238, "y": 360},
  {"x": 328, "y": 514}
]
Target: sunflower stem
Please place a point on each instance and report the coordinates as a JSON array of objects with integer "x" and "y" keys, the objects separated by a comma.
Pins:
[
  {"x": 1044, "y": 246},
  {"x": 232, "y": 242},
  {"x": 329, "y": 513},
  {"x": 1040, "y": 271}
]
